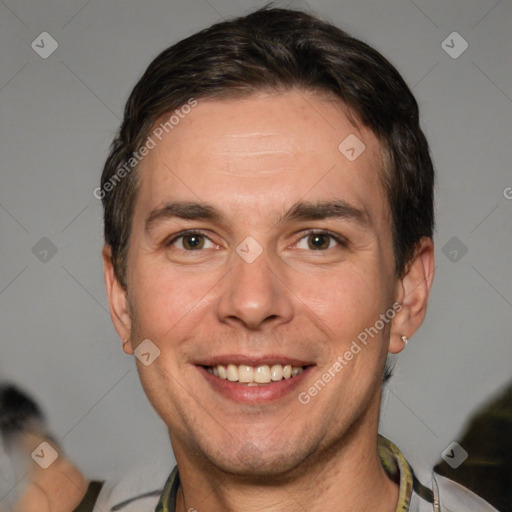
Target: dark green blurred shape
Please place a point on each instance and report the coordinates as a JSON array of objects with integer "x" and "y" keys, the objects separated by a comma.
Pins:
[{"x": 488, "y": 440}]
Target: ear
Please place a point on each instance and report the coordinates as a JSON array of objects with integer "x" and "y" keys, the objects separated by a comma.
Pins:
[
  {"x": 413, "y": 293},
  {"x": 117, "y": 300}
]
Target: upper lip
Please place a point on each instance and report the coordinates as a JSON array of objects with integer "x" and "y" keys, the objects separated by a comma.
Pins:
[{"x": 242, "y": 359}]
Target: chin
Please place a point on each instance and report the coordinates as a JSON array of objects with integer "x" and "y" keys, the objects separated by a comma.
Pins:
[{"x": 259, "y": 461}]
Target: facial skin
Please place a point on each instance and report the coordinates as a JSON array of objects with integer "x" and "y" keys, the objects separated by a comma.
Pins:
[{"x": 254, "y": 160}]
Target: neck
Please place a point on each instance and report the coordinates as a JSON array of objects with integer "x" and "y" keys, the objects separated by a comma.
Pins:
[{"x": 346, "y": 476}]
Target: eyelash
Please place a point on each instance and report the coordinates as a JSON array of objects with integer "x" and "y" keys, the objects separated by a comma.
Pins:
[
  {"x": 341, "y": 241},
  {"x": 183, "y": 234}
]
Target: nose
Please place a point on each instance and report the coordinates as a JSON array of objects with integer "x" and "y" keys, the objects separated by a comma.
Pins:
[{"x": 255, "y": 296}]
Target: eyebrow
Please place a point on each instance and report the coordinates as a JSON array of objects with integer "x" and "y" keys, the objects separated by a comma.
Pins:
[
  {"x": 326, "y": 209},
  {"x": 300, "y": 211},
  {"x": 182, "y": 210}
]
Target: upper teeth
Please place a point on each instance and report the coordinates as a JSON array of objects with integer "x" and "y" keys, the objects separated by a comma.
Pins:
[{"x": 255, "y": 374}]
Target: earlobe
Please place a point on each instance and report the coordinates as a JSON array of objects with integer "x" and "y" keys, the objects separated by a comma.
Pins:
[
  {"x": 413, "y": 293},
  {"x": 117, "y": 301}
]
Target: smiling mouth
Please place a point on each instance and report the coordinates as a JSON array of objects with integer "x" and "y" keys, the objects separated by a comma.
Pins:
[{"x": 254, "y": 375}]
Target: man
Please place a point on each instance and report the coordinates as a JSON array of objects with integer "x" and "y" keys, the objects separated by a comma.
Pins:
[{"x": 268, "y": 226}]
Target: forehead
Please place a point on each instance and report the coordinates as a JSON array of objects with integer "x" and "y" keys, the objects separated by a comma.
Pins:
[{"x": 261, "y": 153}]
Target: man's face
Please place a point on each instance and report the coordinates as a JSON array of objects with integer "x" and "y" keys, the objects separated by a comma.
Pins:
[{"x": 270, "y": 169}]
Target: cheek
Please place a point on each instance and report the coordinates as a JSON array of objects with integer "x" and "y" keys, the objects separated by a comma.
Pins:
[
  {"x": 347, "y": 300},
  {"x": 162, "y": 298}
]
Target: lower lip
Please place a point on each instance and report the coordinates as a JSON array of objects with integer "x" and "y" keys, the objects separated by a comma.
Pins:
[{"x": 262, "y": 393}]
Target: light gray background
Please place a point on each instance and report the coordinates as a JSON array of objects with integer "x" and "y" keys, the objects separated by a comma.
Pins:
[{"x": 59, "y": 116}]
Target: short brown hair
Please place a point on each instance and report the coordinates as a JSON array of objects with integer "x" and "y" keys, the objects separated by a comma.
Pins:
[{"x": 279, "y": 49}]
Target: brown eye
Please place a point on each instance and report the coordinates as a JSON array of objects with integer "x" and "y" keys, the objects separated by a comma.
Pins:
[
  {"x": 319, "y": 241},
  {"x": 192, "y": 242}
]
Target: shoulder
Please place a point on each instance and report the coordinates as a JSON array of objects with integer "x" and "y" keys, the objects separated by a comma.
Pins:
[
  {"x": 428, "y": 491},
  {"x": 137, "y": 489},
  {"x": 454, "y": 497},
  {"x": 437, "y": 493}
]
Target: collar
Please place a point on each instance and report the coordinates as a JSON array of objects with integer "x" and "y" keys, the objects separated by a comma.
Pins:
[{"x": 393, "y": 462}]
